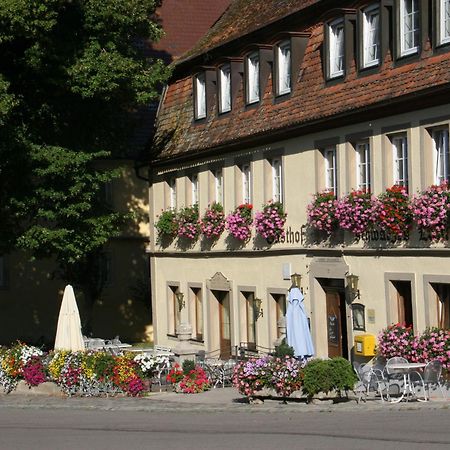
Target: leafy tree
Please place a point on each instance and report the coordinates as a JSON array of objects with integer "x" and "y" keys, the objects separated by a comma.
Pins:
[{"x": 71, "y": 77}]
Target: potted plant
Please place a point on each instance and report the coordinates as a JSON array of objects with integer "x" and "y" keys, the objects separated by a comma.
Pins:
[
  {"x": 431, "y": 211},
  {"x": 322, "y": 212},
  {"x": 167, "y": 224},
  {"x": 269, "y": 222},
  {"x": 188, "y": 223},
  {"x": 356, "y": 212},
  {"x": 212, "y": 223},
  {"x": 394, "y": 212},
  {"x": 239, "y": 222}
]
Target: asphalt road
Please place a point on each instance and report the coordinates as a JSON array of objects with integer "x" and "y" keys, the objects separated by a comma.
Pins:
[{"x": 68, "y": 429}]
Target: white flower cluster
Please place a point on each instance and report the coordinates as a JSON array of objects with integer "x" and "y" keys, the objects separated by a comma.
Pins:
[
  {"x": 28, "y": 352},
  {"x": 152, "y": 363}
]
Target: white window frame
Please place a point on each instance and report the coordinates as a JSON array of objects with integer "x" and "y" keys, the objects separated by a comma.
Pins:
[
  {"x": 200, "y": 96},
  {"x": 444, "y": 22},
  {"x": 336, "y": 49},
  {"x": 246, "y": 183},
  {"x": 441, "y": 164},
  {"x": 172, "y": 192},
  {"x": 363, "y": 180},
  {"x": 277, "y": 179},
  {"x": 371, "y": 36},
  {"x": 284, "y": 65},
  {"x": 225, "y": 88},
  {"x": 253, "y": 78},
  {"x": 404, "y": 51},
  {"x": 330, "y": 169},
  {"x": 400, "y": 163},
  {"x": 218, "y": 186},
  {"x": 194, "y": 188}
]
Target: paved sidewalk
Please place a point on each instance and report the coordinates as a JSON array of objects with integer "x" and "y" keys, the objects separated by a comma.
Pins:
[{"x": 220, "y": 399}]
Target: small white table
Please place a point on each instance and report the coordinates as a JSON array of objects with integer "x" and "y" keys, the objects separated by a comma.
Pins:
[{"x": 408, "y": 388}]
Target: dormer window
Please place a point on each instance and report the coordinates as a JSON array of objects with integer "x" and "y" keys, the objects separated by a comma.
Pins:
[
  {"x": 252, "y": 63},
  {"x": 225, "y": 88},
  {"x": 409, "y": 27},
  {"x": 444, "y": 22},
  {"x": 200, "y": 95},
  {"x": 371, "y": 36},
  {"x": 336, "y": 48},
  {"x": 284, "y": 67}
]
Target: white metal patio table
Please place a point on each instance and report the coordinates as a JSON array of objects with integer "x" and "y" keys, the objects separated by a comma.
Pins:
[{"x": 406, "y": 369}]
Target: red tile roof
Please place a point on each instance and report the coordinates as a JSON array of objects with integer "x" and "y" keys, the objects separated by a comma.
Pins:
[
  {"x": 243, "y": 17},
  {"x": 185, "y": 22},
  {"x": 311, "y": 101}
]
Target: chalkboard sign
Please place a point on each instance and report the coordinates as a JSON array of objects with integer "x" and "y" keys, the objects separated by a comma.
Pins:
[{"x": 333, "y": 330}]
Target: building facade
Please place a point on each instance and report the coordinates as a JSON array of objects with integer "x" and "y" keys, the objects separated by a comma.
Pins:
[{"x": 278, "y": 104}]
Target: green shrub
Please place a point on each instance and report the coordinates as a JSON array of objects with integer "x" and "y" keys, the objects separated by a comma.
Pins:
[
  {"x": 328, "y": 375},
  {"x": 166, "y": 224},
  {"x": 344, "y": 377},
  {"x": 284, "y": 350},
  {"x": 188, "y": 365},
  {"x": 317, "y": 377}
]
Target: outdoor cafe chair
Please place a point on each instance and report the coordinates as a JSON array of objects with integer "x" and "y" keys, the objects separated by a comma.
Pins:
[
  {"x": 431, "y": 376},
  {"x": 369, "y": 380}
]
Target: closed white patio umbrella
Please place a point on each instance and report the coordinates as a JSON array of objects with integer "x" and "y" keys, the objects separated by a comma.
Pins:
[
  {"x": 297, "y": 329},
  {"x": 68, "y": 332}
]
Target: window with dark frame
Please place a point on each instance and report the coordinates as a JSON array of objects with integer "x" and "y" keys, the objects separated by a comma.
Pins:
[
  {"x": 409, "y": 27},
  {"x": 371, "y": 36},
  {"x": 330, "y": 167},
  {"x": 336, "y": 63},
  {"x": 246, "y": 183},
  {"x": 252, "y": 78},
  {"x": 250, "y": 319},
  {"x": 283, "y": 67},
  {"x": 443, "y": 304},
  {"x": 225, "y": 88},
  {"x": 400, "y": 160},
  {"x": 198, "y": 313},
  {"x": 277, "y": 179},
  {"x": 194, "y": 188},
  {"x": 200, "y": 96},
  {"x": 363, "y": 180},
  {"x": 358, "y": 317},
  {"x": 443, "y": 22},
  {"x": 173, "y": 311},
  {"x": 172, "y": 192},
  {"x": 441, "y": 163}
]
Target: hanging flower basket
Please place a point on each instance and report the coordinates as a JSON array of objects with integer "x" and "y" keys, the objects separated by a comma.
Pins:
[
  {"x": 431, "y": 210},
  {"x": 167, "y": 224},
  {"x": 212, "y": 223},
  {"x": 394, "y": 212},
  {"x": 188, "y": 223},
  {"x": 322, "y": 212},
  {"x": 239, "y": 222},
  {"x": 269, "y": 222},
  {"x": 356, "y": 212}
]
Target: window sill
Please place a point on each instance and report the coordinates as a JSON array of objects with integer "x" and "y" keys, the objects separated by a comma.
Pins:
[{"x": 198, "y": 341}]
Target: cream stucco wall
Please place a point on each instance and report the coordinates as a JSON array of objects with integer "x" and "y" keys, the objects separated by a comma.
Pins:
[{"x": 259, "y": 265}]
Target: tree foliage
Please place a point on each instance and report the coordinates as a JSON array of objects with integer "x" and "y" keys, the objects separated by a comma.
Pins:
[{"x": 71, "y": 76}]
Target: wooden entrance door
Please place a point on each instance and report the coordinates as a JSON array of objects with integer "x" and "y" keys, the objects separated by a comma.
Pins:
[
  {"x": 224, "y": 324},
  {"x": 334, "y": 324}
]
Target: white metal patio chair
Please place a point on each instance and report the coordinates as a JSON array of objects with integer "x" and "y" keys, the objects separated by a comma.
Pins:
[
  {"x": 431, "y": 376},
  {"x": 370, "y": 380}
]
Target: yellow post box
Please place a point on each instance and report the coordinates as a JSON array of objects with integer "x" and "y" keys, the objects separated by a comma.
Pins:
[{"x": 365, "y": 345}]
